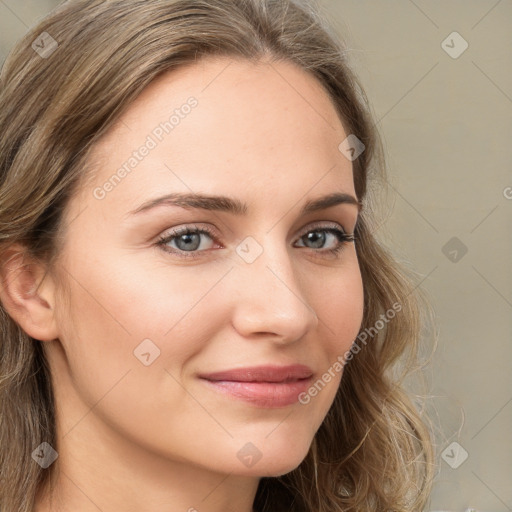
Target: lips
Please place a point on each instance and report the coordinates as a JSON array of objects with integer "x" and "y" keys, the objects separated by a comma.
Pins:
[
  {"x": 262, "y": 374},
  {"x": 262, "y": 386}
]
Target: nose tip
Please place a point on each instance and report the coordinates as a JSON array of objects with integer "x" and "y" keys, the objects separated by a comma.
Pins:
[{"x": 272, "y": 304}]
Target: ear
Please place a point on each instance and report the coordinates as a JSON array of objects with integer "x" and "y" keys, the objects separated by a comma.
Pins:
[{"x": 27, "y": 294}]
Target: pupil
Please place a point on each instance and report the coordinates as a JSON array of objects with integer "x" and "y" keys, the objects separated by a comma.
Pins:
[
  {"x": 317, "y": 238},
  {"x": 191, "y": 241}
]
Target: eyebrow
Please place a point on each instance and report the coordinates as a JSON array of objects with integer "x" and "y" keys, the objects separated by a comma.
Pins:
[{"x": 234, "y": 206}]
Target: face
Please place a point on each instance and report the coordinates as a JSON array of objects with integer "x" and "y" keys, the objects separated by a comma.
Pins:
[{"x": 192, "y": 325}]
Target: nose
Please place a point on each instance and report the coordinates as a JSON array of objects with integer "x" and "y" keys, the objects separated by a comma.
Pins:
[{"x": 269, "y": 299}]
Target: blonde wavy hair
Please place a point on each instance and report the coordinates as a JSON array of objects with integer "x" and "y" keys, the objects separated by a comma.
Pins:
[{"x": 374, "y": 450}]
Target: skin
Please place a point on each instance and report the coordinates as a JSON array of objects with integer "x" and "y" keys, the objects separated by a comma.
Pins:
[{"x": 145, "y": 438}]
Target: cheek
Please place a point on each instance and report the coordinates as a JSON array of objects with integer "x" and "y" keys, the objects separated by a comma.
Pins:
[
  {"x": 338, "y": 300},
  {"x": 115, "y": 306},
  {"x": 110, "y": 313}
]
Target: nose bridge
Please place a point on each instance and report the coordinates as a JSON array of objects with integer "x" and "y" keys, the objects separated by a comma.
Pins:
[{"x": 270, "y": 298}]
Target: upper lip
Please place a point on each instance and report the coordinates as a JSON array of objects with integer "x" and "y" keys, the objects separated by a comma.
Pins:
[{"x": 264, "y": 373}]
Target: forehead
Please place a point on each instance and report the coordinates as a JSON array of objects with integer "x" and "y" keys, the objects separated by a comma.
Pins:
[{"x": 223, "y": 126}]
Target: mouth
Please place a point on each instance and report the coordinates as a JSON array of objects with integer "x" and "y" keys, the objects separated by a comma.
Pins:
[{"x": 262, "y": 386}]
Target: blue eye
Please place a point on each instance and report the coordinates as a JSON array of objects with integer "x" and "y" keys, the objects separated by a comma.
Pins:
[
  {"x": 319, "y": 237},
  {"x": 185, "y": 239},
  {"x": 190, "y": 241}
]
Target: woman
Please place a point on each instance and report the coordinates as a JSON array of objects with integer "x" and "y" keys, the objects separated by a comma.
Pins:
[{"x": 195, "y": 312}]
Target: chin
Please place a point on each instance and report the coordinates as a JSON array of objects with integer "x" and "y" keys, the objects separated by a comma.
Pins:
[
  {"x": 277, "y": 460},
  {"x": 274, "y": 468}
]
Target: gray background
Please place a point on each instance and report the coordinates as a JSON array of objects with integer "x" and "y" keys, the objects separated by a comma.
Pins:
[{"x": 446, "y": 125}]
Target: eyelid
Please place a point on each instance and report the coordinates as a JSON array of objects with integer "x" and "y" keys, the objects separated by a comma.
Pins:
[
  {"x": 213, "y": 232},
  {"x": 325, "y": 224},
  {"x": 194, "y": 227}
]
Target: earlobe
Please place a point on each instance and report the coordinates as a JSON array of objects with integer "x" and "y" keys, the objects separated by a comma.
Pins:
[{"x": 27, "y": 293}]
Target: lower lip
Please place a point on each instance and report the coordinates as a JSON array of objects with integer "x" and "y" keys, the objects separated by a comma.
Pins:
[{"x": 263, "y": 394}]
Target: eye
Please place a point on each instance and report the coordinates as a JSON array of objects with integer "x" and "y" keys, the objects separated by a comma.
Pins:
[
  {"x": 326, "y": 239},
  {"x": 187, "y": 240}
]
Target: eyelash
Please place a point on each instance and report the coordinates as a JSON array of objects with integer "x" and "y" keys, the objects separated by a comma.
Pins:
[{"x": 343, "y": 238}]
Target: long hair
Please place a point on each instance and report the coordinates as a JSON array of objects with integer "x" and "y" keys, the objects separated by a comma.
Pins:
[{"x": 58, "y": 96}]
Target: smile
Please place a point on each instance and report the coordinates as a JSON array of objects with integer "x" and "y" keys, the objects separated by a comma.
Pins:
[{"x": 262, "y": 386}]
